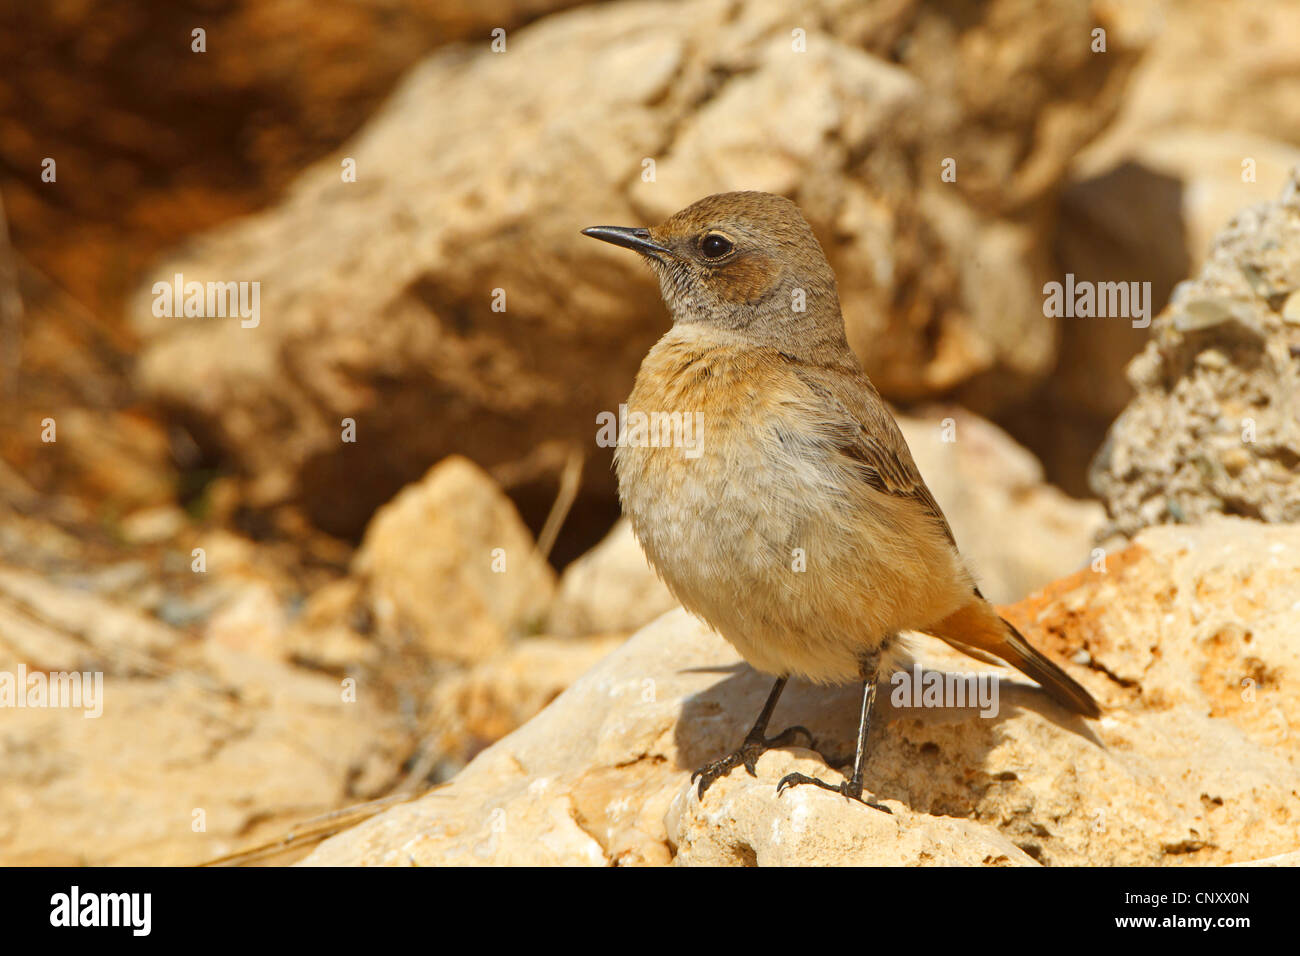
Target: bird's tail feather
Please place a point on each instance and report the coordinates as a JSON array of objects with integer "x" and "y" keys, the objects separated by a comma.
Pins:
[
  {"x": 978, "y": 631},
  {"x": 1019, "y": 653}
]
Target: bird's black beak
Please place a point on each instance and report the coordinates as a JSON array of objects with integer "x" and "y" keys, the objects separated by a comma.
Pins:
[{"x": 628, "y": 238}]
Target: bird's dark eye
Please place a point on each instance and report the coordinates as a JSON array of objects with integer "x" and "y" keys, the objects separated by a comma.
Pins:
[{"x": 715, "y": 246}]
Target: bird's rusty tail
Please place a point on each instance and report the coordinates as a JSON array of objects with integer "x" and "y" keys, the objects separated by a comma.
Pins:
[
  {"x": 977, "y": 630},
  {"x": 1019, "y": 653}
]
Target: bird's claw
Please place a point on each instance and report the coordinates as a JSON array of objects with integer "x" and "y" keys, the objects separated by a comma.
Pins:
[
  {"x": 747, "y": 756},
  {"x": 846, "y": 788}
]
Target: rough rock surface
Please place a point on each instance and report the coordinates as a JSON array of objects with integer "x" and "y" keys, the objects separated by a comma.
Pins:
[
  {"x": 735, "y": 826},
  {"x": 470, "y": 709},
  {"x": 1252, "y": 87},
  {"x": 1209, "y": 124},
  {"x": 377, "y": 297},
  {"x": 201, "y": 748},
  {"x": 1215, "y": 424},
  {"x": 267, "y": 687},
  {"x": 1184, "y": 133},
  {"x": 1181, "y": 185},
  {"x": 610, "y": 588},
  {"x": 449, "y": 566},
  {"x": 1188, "y": 640}
]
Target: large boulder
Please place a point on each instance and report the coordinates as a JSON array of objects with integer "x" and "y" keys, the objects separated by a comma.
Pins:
[
  {"x": 277, "y": 84},
  {"x": 1208, "y": 125},
  {"x": 1215, "y": 424},
  {"x": 445, "y": 300},
  {"x": 1185, "y": 638}
]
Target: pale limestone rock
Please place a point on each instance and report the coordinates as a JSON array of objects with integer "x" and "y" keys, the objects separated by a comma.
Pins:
[
  {"x": 103, "y": 627},
  {"x": 470, "y": 709},
  {"x": 124, "y": 789},
  {"x": 1208, "y": 125},
  {"x": 326, "y": 634},
  {"x": 736, "y": 826},
  {"x": 1217, "y": 433},
  {"x": 1252, "y": 87},
  {"x": 1187, "y": 765},
  {"x": 449, "y": 567},
  {"x": 200, "y": 750},
  {"x": 610, "y": 588},
  {"x": 1282, "y": 859},
  {"x": 153, "y": 525}
]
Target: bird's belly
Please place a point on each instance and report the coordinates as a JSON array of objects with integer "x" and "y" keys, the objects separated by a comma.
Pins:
[
  {"x": 768, "y": 543},
  {"x": 764, "y": 528}
]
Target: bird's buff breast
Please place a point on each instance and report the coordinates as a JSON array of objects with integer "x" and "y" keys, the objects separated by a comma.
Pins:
[{"x": 753, "y": 529}]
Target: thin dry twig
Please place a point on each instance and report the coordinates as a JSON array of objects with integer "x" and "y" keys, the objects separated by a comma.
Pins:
[
  {"x": 570, "y": 482},
  {"x": 312, "y": 831}
]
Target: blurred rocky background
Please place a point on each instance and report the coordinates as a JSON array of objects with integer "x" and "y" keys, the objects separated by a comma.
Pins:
[{"x": 334, "y": 559}]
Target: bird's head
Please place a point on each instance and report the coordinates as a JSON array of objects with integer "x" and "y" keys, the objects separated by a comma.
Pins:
[{"x": 745, "y": 261}]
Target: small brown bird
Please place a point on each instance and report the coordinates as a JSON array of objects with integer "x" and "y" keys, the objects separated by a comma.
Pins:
[{"x": 798, "y": 456}]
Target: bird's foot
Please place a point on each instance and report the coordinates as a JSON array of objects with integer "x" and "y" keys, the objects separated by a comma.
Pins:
[
  {"x": 747, "y": 756},
  {"x": 849, "y": 788}
]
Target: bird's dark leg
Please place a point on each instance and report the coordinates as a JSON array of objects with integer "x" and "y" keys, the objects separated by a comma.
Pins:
[
  {"x": 754, "y": 745},
  {"x": 852, "y": 787}
]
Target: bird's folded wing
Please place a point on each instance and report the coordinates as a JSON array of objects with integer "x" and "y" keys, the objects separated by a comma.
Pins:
[{"x": 861, "y": 427}]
